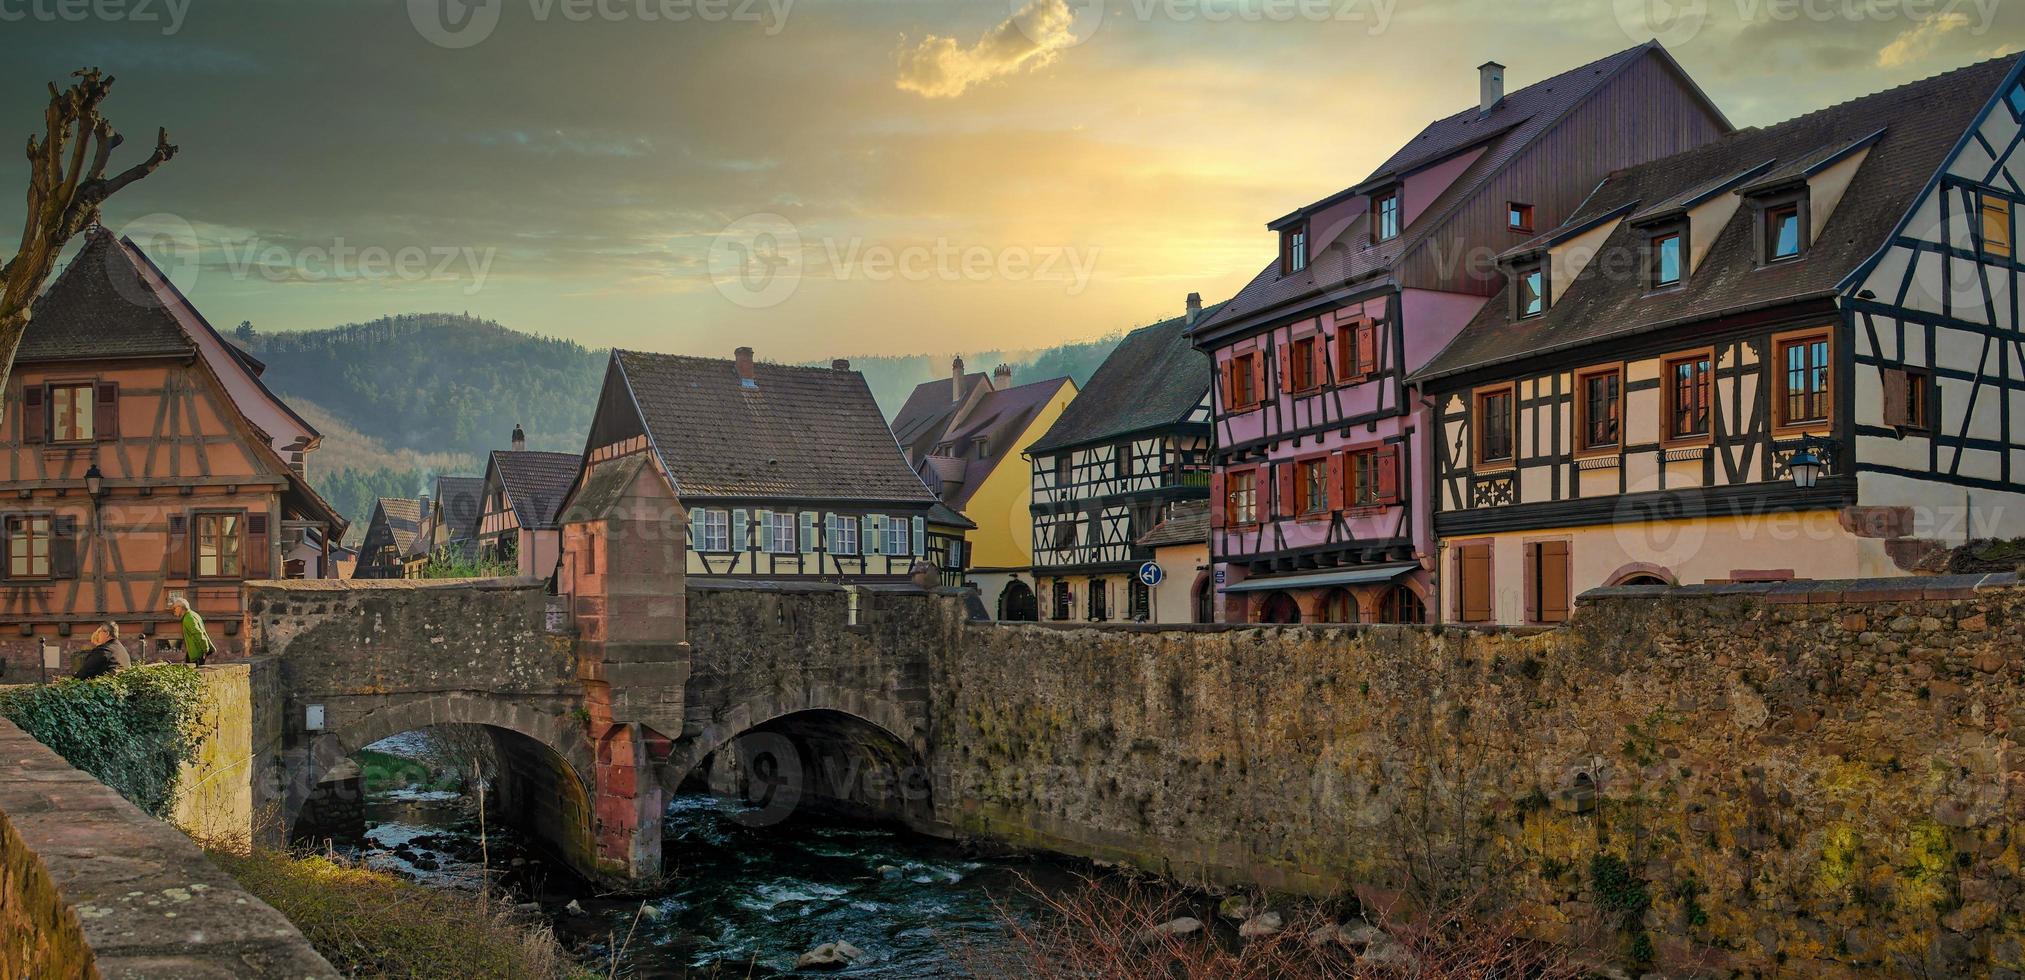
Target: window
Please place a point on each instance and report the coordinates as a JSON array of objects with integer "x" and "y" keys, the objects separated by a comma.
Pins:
[
  {"x": 843, "y": 534},
  {"x": 1356, "y": 350},
  {"x": 217, "y": 545},
  {"x": 1064, "y": 467},
  {"x": 1138, "y": 600},
  {"x": 70, "y": 412},
  {"x": 1241, "y": 497},
  {"x": 1666, "y": 259},
  {"x": 1532, "y": 286},
  {"x": 1373, "y": 476},
  {"x": 1311, "y": 487},
  {"x": 1996, "y": 225},
  {"x": 1401, "y": 605},
  {"x": 1301, "y": 374},
  {"x": 1294, "y": 249},
  {"x": 1905, "y": 398},
  {"x": 1385, "y": 212},
  {"x": 1803, "y": 379},
  {"x": 1782, "y": 232},
  {"x": 1599, "y": 410},
  {"x": 1243, "y": 381},
  {"x": 1473, "y": 582},
  {"x": 1339, "y": 606},
  {"x": 1065, "y": 532},
  {"x": 1097, "y": 609},
  {"x": 777, "y": 533},
  {"x": 983, "y": 449},
  {"x": 896, "y": 540},
  {"x": 1495, "y": 422},
  {"x": 1061, "y": 597},
  {"x": 1547, "y": 581},
  {"x": 711, "y": 530},
  {"x": 28, "y": 540},
  {"x": 1687, "y": 396},
  {"x": 1121, "y": 457},
  {"x": 1519, "y": 217}
]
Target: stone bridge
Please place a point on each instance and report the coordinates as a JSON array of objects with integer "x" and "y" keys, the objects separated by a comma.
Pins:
[{"x": 600, "y": 712}]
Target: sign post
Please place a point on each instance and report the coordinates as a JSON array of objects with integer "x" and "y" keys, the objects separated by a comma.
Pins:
[{"x": 1150, "y": 575}]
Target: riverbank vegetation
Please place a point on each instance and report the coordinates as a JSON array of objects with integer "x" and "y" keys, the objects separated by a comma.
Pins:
[
  {"x": 385, "y": 770},
  {"x": 374, "y": 923},
  {"x": 132, "y": 729}
]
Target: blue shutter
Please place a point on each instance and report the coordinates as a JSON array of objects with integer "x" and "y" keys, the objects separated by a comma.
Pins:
[
  {"x": 740, "y": 539},
  {"x": 696, "y": 529},
  {"x": 920, "y": 537},
  {"x": 806, "y": 540}
]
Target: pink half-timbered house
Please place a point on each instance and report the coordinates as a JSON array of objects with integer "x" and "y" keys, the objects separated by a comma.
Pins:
[{"x": 1319, "y": 506}]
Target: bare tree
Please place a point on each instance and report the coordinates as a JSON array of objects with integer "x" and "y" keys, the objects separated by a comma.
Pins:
[{"x": 67, "y": 186}]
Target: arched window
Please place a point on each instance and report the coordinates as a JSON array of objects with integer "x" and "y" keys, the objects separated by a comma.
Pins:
[
  {"x": 1279, "y": 607},
  {"x": 1339, "y": 606},
  {"x": 1401, "y": 605},
  {"x": 1642, "y": 579},
  {"x": 1016, "y": 603}
]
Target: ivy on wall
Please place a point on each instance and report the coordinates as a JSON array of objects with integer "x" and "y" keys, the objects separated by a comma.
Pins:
[{"x": 132, "y": 729}]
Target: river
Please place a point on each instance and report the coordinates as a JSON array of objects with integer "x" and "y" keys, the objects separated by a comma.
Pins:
[{"x": 741, "y": 901}]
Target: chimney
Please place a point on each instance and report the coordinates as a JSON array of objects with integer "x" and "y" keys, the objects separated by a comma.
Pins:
[
  {"x": 425, "y": 508},
  {"x": 1490, "y": 86},
  {"x": 1194, "y": 308},
  {"x": 746, "y": 378},
  {"x": 519, "y": 438},
  {"x": 840, "y": 365},
  {"x": 1001, "y": 377},
  {"x": 956, "y": 379}
]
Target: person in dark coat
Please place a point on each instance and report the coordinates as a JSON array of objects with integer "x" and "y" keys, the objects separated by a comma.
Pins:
[{"x": 106, "y": 654}]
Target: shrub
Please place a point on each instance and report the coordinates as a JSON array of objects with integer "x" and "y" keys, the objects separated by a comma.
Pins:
[{"x": 132, "y": 729}]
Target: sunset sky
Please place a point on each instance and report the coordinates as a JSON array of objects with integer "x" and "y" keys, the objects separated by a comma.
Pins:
[{"x": 957, "y": 175}]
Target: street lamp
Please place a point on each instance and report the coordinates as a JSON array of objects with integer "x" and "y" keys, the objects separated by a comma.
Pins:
[
  {"x": 1806, "y": 464},
  {"x": 94, "y": 481}
]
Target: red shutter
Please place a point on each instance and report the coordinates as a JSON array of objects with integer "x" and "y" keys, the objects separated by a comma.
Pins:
[
  {"x": 1553, "y": 587},
  {"x": 1387, "y": 466},
  {"x": 1286, "y": 367},
  {"x": 1284, "y": 473},
  {"x": 34, "y": 419},
  {"x": 1473, "y": 591},
  {"x": 1259, "y": 376},
  {"x": 1895, "y": 406},
  {"x": 1367, "y": 348},
  {"x": 1216, "y": 492},
  {"x": 1224, "y": 375},
  {"x": 255, "y": 556},
  {"x": 9, "y": 527},
  {"x": 62, "y": 546},
  {"x": 176, "y": 557},
  {"x": 1336, "y": 477},
  {"x": 105, "y": 416},
  {"x": 1532, "y": 550}
]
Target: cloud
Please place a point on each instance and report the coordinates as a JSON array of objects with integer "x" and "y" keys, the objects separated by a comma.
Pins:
[
  {"x": 940, "y": 68},
  {"x": 1916, "y": 42}
]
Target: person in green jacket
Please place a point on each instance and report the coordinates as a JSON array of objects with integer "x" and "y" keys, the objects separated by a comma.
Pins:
[{"x": 196, "y": 642}]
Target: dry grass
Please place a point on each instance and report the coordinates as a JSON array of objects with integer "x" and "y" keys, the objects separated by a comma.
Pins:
[
  {"x": 1106, "y": 929},
  {"x": 374, "y": 924}
]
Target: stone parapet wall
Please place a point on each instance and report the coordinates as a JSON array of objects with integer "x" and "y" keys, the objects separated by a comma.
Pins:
[
  {"x": 1797, "y": 779},
  {"x": 90, "y": 886}
]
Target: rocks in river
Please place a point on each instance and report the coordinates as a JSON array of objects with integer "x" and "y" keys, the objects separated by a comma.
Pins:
[
  {"x": 1262, "y": 925},
  {"x": 425, "y": 863},
  {"x": 651, "y": 913},
  {"x": 1236, "y": 908},
  {"x": 888, "y": 871},
  {"x": 573, "y": 908},
  {"x": 528, "y": 909},
  {"x": 830, "y": 956},
  {"x": 1184, "y": 926}
]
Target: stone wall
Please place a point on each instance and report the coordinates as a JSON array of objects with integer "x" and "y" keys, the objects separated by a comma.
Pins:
[
  {"x": 216, "y": 792},
  {"x": 1803, "y": 778},
  {"x": 91, "y": 886}
]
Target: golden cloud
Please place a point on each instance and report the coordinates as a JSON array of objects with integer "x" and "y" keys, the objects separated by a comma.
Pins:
[{"x": 941, "y": 68}]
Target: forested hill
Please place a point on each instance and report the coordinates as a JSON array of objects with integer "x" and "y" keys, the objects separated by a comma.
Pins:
[{"x": 437, "y": 382}]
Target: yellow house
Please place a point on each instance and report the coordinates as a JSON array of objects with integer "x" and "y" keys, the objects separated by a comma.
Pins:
[{"x": 963, "y": 436}]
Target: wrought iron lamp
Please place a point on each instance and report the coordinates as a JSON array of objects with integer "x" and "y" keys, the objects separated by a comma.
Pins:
[
  {"x": 94, "y": 481},
  {"x": 1807, "y": 464}
]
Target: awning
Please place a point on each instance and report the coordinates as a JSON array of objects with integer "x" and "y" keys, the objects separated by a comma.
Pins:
[{"x": 1358, "y": 575}]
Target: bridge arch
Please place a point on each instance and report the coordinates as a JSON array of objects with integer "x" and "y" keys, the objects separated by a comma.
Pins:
[{"x": 810, "y": 760}]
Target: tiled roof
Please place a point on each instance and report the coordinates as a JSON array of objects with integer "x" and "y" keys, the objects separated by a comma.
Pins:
[
  {"x": 1921, "y": 122},
  {"x": 460, "y": 501},
  {"x": 1154, "y": 377},
  {"x": 535, "y": 483},
  {"x": 1352, "y": 260},
  {"x": 799, "y": 432},
  {"x": 1186, "y": 523},
  {"x": 998, "y": 418},
  {"x": 403, "y": 517},
  {"x": 922, "y": 418},
  {"x": 100, "y": 307}
]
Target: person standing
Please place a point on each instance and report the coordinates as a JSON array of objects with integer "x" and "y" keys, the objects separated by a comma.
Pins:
[
  {"x": 106, "y": 654},
  {"x": 196, "y": 642}
]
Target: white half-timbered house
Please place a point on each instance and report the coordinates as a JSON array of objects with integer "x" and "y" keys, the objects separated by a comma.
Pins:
[
  {"x": 1132, "y": 444},
  {"x": 1841, "y": 284}
]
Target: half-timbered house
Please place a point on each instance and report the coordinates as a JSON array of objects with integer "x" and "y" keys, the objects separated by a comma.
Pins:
[
  {"x": 1133, "y": 443},
  {"x": 1842, "y": 285},
  {"x": 1321, "y": 445},
  {"x": 522, "y": 491},
  {"x": 451, "y": 524},
  {"x": 389, "y": 538},
  {"x": 963, "y": 437},
  {"x": 144, "y": 459},
  {"x": 1185, "y": 591},
  {"x": 774, "y": 471}
]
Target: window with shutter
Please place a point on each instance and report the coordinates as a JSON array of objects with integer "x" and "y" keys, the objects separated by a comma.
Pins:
[
  {"x": 256, "y": 558},
  {"x": 920, "y": 537},
  {"x": 63, "y": 546},
  {"x": 106, "y": 416},
  {"x": 741, "y": 531},
  {"x": 176, "y": 556},
  {"x": 34, "y": 419},
  {"x": 1285, "y": 492},
  {"x": 28, "y": 546},
  {"x": 1473, "y": 582},
  {"x": 1367, "y": 349},
  {"x": 807, "y": 540},
  {"x": 1547, "y": 581},
  {"x": 1337, "y": 488},
  {"x": 1388, "y": 469},
  {"x": 1216, "y": 499}
]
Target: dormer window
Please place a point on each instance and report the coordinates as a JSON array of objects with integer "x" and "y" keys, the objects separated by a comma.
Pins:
[
  {"x": 1529, "y": 283},
  {"x": 1666, "y": 259},
  {"x": 1385, "y": 216},
  {"x": 983, "y": 449},
  {"x": 1293, "y": 249},
  {"x": 1782, "y": 232},
  {"x": 1519, "y": 217}
]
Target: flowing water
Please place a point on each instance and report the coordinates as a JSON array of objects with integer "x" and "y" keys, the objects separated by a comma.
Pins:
[{"x": 741, "y": 901}]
